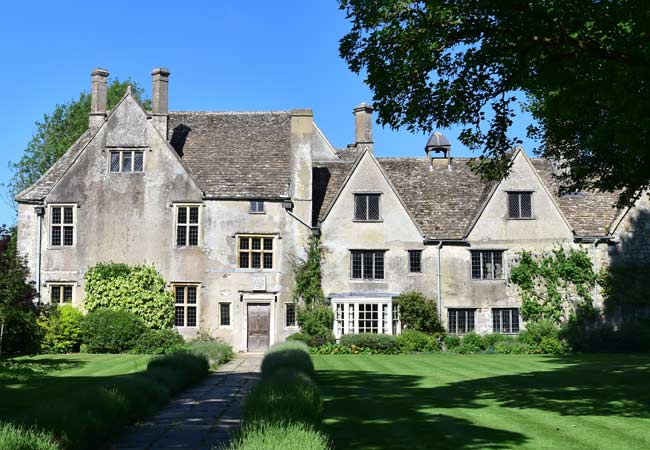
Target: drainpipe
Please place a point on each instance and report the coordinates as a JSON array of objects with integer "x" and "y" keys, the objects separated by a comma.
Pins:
[
  {"x": 595, "y": 266},
  {"x": 40, "y": 212},
  {"x": 439, "y": 246}
]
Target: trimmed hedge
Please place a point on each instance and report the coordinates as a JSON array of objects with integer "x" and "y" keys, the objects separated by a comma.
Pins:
[
  {"x": 157, "y": 342},
  {"x": 13, "y": 437},
  {"x": 293, "y": 436},
  {"x": 215, "y": 352},
  {"x": 381, "y": 343},
  {"x": 288, "y": 355},
  {"x": 110, "y": 331}
]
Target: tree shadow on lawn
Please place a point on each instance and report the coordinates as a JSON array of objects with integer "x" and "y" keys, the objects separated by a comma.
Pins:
[
  {"x": 17, "y": 370},
  {"x": 374, "y": 410}
]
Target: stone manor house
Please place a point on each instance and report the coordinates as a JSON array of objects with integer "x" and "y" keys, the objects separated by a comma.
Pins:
[{"x": 223, "y": 203}]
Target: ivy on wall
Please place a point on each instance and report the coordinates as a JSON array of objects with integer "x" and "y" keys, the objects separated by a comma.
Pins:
[
  {"x": 308, "y": 275},
  {"x": 553, "y": 285}
]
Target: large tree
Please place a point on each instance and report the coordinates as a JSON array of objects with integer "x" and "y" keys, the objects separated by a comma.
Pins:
[
  {"x": 582, "y": 65},
  {"x": 57, "y": 131}
]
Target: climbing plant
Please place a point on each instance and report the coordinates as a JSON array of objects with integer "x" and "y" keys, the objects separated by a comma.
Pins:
[
  {"x": 308, "y": 275},
  {"x": 553, "y": 285}
]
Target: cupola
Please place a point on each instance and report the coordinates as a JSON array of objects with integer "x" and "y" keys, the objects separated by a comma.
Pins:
[{"x": 438, "y": 148}]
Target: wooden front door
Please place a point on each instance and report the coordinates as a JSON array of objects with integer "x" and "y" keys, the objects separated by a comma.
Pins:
[{"x": 259, "y": 327}]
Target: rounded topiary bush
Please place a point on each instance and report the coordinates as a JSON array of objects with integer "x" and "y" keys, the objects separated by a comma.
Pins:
[
  {"x": 157, "y": 342},
  {"x": 291, "y": 355},
  {"x": 108, "y": 331}
]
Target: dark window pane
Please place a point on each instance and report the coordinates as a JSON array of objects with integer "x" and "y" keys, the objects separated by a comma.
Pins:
[
  {"x": 182, "y": 214},
  {"x": 180, "y": 294},
  {"x": 194, "y": 235},
  {"x": 56, "y": 215},
  {"x": 179, "y": 319},
  {"x": 356, "y": 265},
  {"x": 115, "y": 161},
  {"x": 379, "y": 265},
  {"x": 513, "y": 205},
  {"x": 243, "y": 243},
  {"x": 224, "y": 314},
  {"x": 191, "y": 316},
  {"x": 181, "y": 235},
  {"x": 373, "y": 207},
  {"x": 268, "y": 243},
  {"x": 126, "y": 161},
  {"x": 194, "y": 214},
  {"x": 68, "y": 236},
  {"x": 526, "y": 209},
  {"x": 257, "y": 206},
  {"x": 290, "y": 314},
  {"x": 415, "y": 261},
  {"x": 138, "y": 162},
  {"x": 367, "y": 265},
  {"x": 67, "y": 294},
  {"x": 256, "y": 243},
  {"x": 515, "y": 320},
  {"x": 56, "y": 235},
  {"x": 476, "y": 265},
  {"x": 497, "y": 258},
  {"x": 256, "y": 261},
  {"x": 244, "y": 261},
  {"x": 55, "y": 294},
  {"x": 191, "y": 294},
  {"x": 360, "y": 207},
  {"x": 268, "y": 260},
  {"x": 67, "y": 215}
]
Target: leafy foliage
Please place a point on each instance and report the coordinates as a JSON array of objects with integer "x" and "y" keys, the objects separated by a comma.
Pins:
[
  {"x": 61, "y": 329},
  {"x": 215, "y": 351},
  {"x": 13, "y": 437},
  {"x": 58, "y": 130},
  {"x": 417, "y": 341},
  {"x": 316, "y": 320},
  {"x": 295, "y": 436},
  {"x": 552, "y": 285},
  {"x": 137, "y": 289},
  {"x": 418, "y": 313},
  {"x": 111, "y": 331},
  {"x": 157, "y": 342},
  {"x": 581, "y": 64},
  {"x": 290, "y": 354},
  {"x": 17, "y": 314},
  {"x": 382, "y": 343},
  {"x": 308, "y": 276}
]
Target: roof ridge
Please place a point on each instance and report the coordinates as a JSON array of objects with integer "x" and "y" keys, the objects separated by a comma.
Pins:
[{"x": 225, "y": 113}]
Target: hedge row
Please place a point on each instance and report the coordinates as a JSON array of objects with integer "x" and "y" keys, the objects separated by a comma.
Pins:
[{"x": 283, "y": 411}]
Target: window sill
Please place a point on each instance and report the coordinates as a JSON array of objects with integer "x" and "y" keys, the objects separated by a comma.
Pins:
[
  {"x": 367, "y": 221},
  {"x": 186, "y": 247},
  {"x": 257, "y": 212},
  {"x": 522, "y": 218},
  {"x": 60, "y": 247},
  {"x": 291, "y": 328},
  {"x": 374, "y": 280},
  {"x": 240, "y": 270},
  {"x": 488, "y": 279}
]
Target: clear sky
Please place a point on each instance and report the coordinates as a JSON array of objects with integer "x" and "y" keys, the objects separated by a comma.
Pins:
[{"x": 236, "y": 56}]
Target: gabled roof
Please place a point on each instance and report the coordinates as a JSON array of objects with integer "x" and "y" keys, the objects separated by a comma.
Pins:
[
  {"x": 445, "y": 203},
  {"x": 235, "y": 155}
]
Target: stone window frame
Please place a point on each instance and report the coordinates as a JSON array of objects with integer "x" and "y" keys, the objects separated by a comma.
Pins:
[
  {"x": 257, "y": 206},
  {"x": 411, "y": 253},
  {"x": 481, "y": 252},
  {"x": 290, "y": 325},
  {"x": 186, "y": 305},
  {"x": 61, "y": 286},
  {"x": 519, "y": 194},
  {"x": 187, "y": 225},
  {"x": 121, "y": 152},
  {"x": 358, "y": 195},
  {"x": 263, "y": 251},
  {"x": 363, "y": 255},
  {"x": 221, "y": 316},
  {"x": 62, "y": 225},
  {"x": 468, "y": 327},
  {"x": 514, "y": 320}
]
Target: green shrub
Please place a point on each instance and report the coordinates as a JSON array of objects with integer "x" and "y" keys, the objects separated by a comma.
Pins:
[
  {"x": 157, "y": 342},
  {"x": 418, "y": 313},
  {"x": 452, "y": 342},
  {"x": 316, "y": 320},
  {"x": 379, "y": 343},
  {"x": 474, "y": 342},
  {"x": 216, "y": 352},
  {"x": 13, "y": 437},
  {"x": 108, "y": 331},
  {"x": 511, "y": 346},
  {"x": 291, "y": 355},
  {"x": 280, "y": 437},
  {"x": 61, "y": 329},
  {"x": 22, "y": 335},
  {"x": 312, "y": 341},
  {"x": 178, "y": 370},
  {"x": 300, "y": 337},
  {"x": 543, "y": 337},
  {"x": 138, "y": 289},
  {"x": 287, "y": 395},
  {"x": 417, "y": 341},
  {"x": 491, "y": 339},
  {"x": 552, "y": 346}
]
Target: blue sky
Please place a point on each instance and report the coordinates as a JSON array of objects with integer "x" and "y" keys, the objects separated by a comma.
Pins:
[{"x": 240, "y": 56}]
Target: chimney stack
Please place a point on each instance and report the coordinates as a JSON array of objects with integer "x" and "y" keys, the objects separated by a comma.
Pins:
[
  {"x": 363, "y": 126},
  {"x": 98, "y": 97},
  {"x": 160, "y": 99}
]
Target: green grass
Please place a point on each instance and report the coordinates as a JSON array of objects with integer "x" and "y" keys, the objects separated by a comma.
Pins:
[{"x": 444, "y": 401}]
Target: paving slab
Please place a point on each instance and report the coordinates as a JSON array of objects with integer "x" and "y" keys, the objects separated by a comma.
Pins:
[{"x": 201, "y": 417}]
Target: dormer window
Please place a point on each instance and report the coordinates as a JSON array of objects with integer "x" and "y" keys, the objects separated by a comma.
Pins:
[
  {"x": 127, "y": 161},
  {"x": 366, "y": 207},
  {"x": 520, "y": 205}
]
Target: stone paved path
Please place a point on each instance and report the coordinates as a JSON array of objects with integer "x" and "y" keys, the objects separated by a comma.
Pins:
[{"x": 201, "y": 417}]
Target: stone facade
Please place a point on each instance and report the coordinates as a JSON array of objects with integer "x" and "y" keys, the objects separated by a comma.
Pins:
[{"x": 218, "y": 163}]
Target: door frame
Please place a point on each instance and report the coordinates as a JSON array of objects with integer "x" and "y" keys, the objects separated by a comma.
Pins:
[{"x": 262, "y": 299}]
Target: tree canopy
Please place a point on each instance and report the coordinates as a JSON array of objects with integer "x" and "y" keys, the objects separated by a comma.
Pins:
[
  {"x": 582, "y": 65},
  {"x": 57, "y": 131}
]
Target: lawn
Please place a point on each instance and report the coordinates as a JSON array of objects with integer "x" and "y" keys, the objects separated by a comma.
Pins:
[
  {"x": 54, "y": 390},
  {"x": 445, "y": 401}
]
